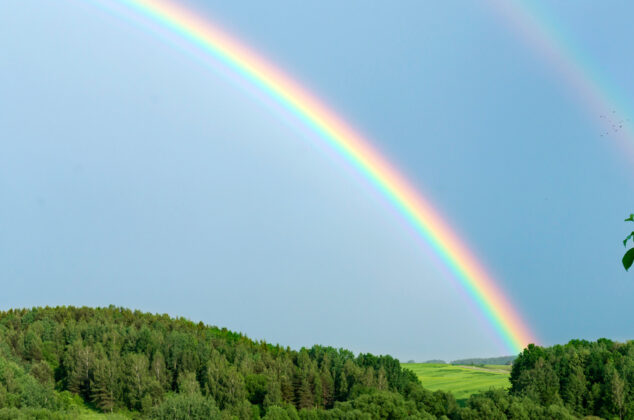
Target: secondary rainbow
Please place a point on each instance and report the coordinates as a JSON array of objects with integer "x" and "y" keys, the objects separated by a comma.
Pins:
[
  {"x": 349, "y": 144},
  {"x": 589, "y": 86}
]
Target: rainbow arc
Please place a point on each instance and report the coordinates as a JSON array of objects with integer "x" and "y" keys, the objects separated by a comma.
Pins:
[{"x": 351, "y": 146}]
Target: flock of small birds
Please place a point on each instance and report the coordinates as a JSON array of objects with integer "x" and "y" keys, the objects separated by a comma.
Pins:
[{"x": 614, "y": 125}]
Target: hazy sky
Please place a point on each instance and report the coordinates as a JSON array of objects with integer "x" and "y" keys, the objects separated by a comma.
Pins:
[{"x": 131, "y": 174}]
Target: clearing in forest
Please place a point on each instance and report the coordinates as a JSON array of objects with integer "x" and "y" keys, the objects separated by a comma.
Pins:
[{"x": 461, "y": 380}]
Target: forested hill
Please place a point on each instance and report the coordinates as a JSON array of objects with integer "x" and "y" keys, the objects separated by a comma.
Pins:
[
  {"x": 159, "y": 367},
  {"x": 65, "y": 362}
]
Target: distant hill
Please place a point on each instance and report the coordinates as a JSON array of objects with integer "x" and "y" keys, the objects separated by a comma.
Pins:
[
  {"x": 501, "y": 360},
  {"x": 436, "y": 361}
]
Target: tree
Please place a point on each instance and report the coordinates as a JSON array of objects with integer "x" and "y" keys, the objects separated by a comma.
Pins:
[
  {"x": 617, "y": 392},
  {"x": 79, "y": 362},
  {"x": 305, "y": 394},
  {"x": 187, "y": 383},
  {"x": 104, "y": 385},
  {"x": 42, "y": 372},
  {"x": 135, "y": 378}
]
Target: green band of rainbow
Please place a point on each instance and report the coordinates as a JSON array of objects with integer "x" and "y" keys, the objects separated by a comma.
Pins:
[{"x": 355, "y": 149}]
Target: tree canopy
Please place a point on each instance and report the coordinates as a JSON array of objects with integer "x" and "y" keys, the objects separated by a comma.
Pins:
[
  {"x": 119, "y": 360},
  {"x": 55, "y": 362}
]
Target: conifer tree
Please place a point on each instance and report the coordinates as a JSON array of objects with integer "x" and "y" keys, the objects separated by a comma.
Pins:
[
  {"x": 305, "y": 395},
  {"x": 104, "y": 385}
]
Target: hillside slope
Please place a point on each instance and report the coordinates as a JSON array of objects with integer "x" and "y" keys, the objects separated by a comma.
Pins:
[
  {"x": 117, "y": 360},
  {"x": 114, "y": 363},
  {"x": 461, "y": 381}
]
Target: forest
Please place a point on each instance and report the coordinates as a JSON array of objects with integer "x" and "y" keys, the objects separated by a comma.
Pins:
[{"x": 55, "y": 363}]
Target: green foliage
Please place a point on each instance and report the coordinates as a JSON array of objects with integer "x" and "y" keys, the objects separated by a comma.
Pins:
[
  {"x": 628, "y": 258},
  {"x": 120, "y": 361},
  {"x": 384, "y": 405},
  {"x": 499, "y": 405},
  {"x": 113, "y": 363},
  {"x": 186, "y": 407},
  {"x": 588, "y": 378},
  {"x": 279, "y": 413}
]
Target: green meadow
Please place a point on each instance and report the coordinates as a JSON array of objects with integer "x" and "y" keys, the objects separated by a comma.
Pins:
[{"x": 460, "y": 380}]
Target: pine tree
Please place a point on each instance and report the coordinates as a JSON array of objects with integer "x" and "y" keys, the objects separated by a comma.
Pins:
[
  {"x": 104, "y": 385},
  {"x": 159, "y": 370},
  {"x": 79, "y": 362},
  {"x": 273, "y": 394},
  {"x": 135, "y": 378},
  {"x": 342, "y": 392},
  {"x": 327, "y": 388},
  {"x": 381, "y": 380},
  {"x": 305, "y": 395},
  {"x": 317, "y": 390},
  {"x": 618, "y": 392}
]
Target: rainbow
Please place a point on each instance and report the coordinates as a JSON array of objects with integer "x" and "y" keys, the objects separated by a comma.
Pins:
[{"x": 350, "y": 145}]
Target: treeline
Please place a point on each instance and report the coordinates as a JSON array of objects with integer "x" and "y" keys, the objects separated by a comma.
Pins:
[
  {"x": 157, "y": 367},
  {"x": 581, "y": 379},
  {"x": 501, "y": 360},
  {"x": 54, "y": 362},
  {"x": 589, "y": 378}
]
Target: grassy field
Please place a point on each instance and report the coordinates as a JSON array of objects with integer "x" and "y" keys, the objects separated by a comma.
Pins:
[{"x": 462, "y": 381}]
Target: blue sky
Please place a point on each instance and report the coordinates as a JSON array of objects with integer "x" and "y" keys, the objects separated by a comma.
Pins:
[{"x": 132, "y": 175}]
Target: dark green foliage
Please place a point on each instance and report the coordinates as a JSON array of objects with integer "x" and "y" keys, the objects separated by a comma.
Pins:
[
  {"x": 384, "y": 405},
  {"x": 105, "y": 385},
  {"x": 588, "y": 378},
  {"x": 628, "y": 258},
  {"x": 499, "y": 405},
  {"x": 54, "y": 360},
  {"x": 158, "y": 367}
]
